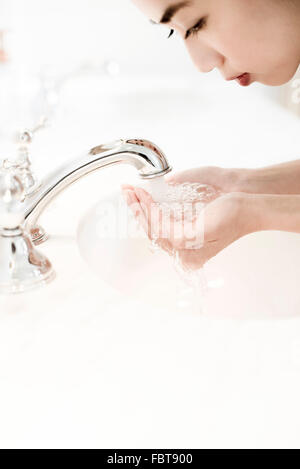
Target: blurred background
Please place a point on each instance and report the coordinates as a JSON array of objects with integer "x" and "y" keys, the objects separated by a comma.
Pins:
[{"x": 69, "y": 31}]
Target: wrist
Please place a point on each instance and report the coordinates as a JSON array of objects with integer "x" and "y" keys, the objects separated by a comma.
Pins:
[
  {"x": 252, "y": 181},
  {"x": 274, "y": 212},
  {"x": 253, "y": 212},
  {"x": 235, "y": 179},
  {"x": 269, "y": 180},
  {"x": 280, "y": 179}
]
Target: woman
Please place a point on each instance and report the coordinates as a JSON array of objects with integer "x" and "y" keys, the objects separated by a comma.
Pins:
[{"x": 246, "y": 40}]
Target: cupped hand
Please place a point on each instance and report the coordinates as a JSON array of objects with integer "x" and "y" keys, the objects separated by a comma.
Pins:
[{"x": 203, "y": 234}]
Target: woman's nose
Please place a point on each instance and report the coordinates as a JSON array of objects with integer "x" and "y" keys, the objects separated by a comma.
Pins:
[{"x": 204, "y": 57}]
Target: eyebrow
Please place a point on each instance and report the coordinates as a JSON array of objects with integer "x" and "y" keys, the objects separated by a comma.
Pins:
[{"x": 171, "y": 12}]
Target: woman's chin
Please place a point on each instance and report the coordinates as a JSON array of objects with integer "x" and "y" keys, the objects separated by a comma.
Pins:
[{"x": 278, "y": 80}]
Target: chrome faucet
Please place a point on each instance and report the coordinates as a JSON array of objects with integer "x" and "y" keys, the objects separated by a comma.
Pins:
[{"x": 22, "y": 267}]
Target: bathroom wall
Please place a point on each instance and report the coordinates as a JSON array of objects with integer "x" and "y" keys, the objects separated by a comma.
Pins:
[{"x": 69, "y": 31}]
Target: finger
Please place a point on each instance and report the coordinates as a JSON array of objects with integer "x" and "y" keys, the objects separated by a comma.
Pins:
[
  {"x": 127, "y": 187},
  {"x": 162, "y": 224},
  {"x": 136, "y": 208},
  {"x": 161, "y": 220},
  {"x": 149, "y": 209},
  {"x": 140, "y": 210},
  {"x": 159, "y": 224},
  {"x": 131, "y": 199},
  {"x": 144, "y": 196}
]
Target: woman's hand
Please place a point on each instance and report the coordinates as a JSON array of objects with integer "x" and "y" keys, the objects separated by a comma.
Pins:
[
  {"x": 222, "y": 179},
  {"x": 204, "y": 234},
  {"x": 281, "y": 179}
]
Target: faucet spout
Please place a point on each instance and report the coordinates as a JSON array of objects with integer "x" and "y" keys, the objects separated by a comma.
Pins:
[{"x": 146, "y": 157}]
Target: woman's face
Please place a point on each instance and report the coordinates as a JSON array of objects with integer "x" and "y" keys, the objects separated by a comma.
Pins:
[{"x": 256, "y": 40}]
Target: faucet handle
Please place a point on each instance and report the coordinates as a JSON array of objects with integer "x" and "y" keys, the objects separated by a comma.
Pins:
[
  {"x": 12, "y": 194},
  {"x": 11, "y": 187},
  {"x": 21, "y": 163}
]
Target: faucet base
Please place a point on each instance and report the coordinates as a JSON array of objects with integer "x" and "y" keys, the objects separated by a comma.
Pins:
[{"x": 22, "y": 266}]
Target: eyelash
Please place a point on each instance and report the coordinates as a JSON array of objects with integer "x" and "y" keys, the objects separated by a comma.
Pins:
[{"x": 194, "y": 30}]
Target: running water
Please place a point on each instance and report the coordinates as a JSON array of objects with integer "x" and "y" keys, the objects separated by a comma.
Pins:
[
  {"x": 180, "y": 193},
  {"x": 183, "y": 201}
]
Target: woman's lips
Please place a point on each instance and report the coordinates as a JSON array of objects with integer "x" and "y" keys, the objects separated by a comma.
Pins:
[{"x": 243, "y": 80}]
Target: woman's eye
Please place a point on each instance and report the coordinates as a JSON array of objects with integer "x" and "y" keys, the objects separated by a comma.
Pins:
[{"x": 195, "y": 29}]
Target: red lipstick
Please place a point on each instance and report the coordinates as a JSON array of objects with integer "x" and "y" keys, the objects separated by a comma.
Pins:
[{"x": 243, "y": 80}]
